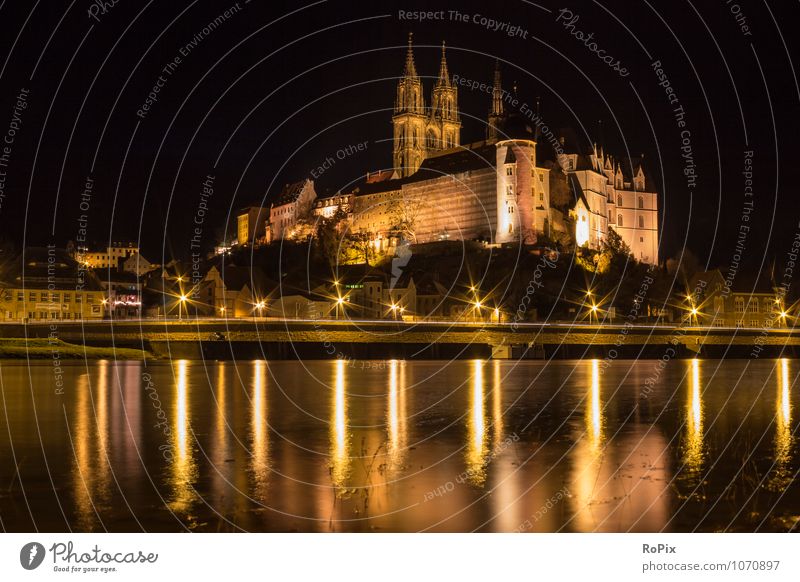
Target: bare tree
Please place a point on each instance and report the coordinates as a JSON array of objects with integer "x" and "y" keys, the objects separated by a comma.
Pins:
[{"x": 404, "y": 213}]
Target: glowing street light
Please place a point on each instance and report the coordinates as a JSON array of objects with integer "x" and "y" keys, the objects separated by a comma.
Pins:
[
  {"x": 339, "y": 303},
  {"x": 260, "y": 307},
  {"x": 182, "y": 300}
]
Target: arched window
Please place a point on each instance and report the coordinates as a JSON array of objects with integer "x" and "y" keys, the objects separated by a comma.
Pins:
[
  {"x": 619, "y": 199},
  {"x": 619, "y": 220},
  {"x": 430, "y": 139},
  {"x": 641, "y": 222},
  {"x": 641, "y": 202}
]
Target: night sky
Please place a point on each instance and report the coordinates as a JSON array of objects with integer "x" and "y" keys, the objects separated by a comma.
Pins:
[{"x": 276, "y": 87}]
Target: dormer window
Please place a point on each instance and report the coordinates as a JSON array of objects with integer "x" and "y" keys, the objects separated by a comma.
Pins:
[{"x": 510, "y": 171}]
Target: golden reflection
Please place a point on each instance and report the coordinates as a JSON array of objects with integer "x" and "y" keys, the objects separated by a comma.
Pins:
[
  {"x": 340, "y": 440},
  {"x": 183, "y": 464},
  {"x": 101, "y": 408},
  {"x": 82, "y": 474},
  {"x": 783, "y": 429},
  {"x": 693, "y": 455},
  {"x": 91, "y": 473},
  {"x": 497, "y": 406},
  {"x": 222, "y": 423},
  {"x": 594, "y": 414},
  {"x": 476, "y": 428},
  {"x": 395, "y": 416},
  {"x": 259, "y": 458}
]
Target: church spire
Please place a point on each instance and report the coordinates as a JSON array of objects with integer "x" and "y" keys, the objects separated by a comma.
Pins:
[
  {"x": 410, "y": 70},
  {"x": 497, "y": 92},
  {"x": 497, "y": 111},
  {"x": 444, "y": 76}
]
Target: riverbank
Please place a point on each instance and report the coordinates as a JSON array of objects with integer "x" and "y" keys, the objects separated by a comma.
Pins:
[{"x": 37, "y": 348}]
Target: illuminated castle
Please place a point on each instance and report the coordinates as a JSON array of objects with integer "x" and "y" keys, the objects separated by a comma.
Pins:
[{"x": 492, "y": 190}]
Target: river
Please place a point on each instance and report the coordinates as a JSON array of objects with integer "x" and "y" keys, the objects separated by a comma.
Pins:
[{"x": 400, "y": 446}]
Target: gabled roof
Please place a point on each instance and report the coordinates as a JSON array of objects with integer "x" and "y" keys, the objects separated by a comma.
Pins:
[
  {"x": 236, "y": 278},
  {"x": 475, "y": 156},
  {"x": 37, "y": 267},
  {"x": 290, "y": 193},
  {"x": 577, "y": 190}
]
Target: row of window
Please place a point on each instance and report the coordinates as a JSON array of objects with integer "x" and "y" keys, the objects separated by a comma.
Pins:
[
  {"x": 620, "y": 221},
  {"x": 510, "y": 172},
  {"x": 619, "y": 201},
  {"x": 752, "y": 305},
  {"x": 54, "y": 297},
  {"x": 42, "y": 315}
]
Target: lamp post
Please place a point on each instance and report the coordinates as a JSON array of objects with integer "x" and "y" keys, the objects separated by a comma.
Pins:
[
  {"x": 180, "y": 307},
  {"x": 477, "y": 310},
  {"x": 339, "y": 303},
  {"x": 593, "y": 312}
]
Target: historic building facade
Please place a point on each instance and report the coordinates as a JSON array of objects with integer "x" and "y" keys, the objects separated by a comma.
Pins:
[
  {"x": 493, "y": 190},
  {"x": 420, "y": 131},
  {"x": 611, "y": 195}
]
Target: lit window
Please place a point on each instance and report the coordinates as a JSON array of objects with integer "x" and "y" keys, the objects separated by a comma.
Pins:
[
  {"x": 619, "y": 200},
  {"x": 641, "y": 202},
  {"x": 641, "y": 222},
  {"x": 619, "y": 220}
]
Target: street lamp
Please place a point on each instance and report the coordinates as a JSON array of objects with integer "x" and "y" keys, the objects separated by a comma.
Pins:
[
  {"x": 497, "y": 314},
  {"x": 477, "y": 309},
  {"x": 339, "y": 303},
  {"x": 393, "y": 307},
  {"x": 183, "y": 299}
]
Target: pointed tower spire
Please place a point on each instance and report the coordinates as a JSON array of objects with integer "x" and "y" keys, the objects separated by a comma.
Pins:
[
  {"x": 444, "y": 76},
  {"x": 497, "y": 111},
  {"x": 409, "y": 119},
  {"x": 410, "y": 70},
  {"x": 497, "y": 92}
]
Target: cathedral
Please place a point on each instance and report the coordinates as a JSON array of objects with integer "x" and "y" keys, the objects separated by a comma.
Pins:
[{"x": 494, "y": 190}]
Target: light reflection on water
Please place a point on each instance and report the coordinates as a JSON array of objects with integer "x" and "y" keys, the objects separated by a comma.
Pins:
[
  {"x": 784, "y": 439},
  {"x": 340, "y": 439},
  {"x": 693, "y": 453},
  {"x": 324, "y": 446},
  {"x": 184, "y": 466},
  {"x": 476, "y": 427}
]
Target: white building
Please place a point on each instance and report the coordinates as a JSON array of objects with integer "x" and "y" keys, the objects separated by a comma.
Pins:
[
  {"x": 294, "y": 203},
  {"x": 612, "y": 194}
]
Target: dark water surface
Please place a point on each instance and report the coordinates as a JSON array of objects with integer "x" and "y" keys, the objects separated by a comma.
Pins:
[{"x": 400, "y": 446}]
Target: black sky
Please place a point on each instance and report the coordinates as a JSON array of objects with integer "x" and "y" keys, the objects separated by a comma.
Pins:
[{"x": 280, "y": 86}]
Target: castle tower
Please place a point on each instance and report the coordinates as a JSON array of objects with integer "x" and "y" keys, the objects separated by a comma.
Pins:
[
  {"x": 444, "y": 126},
  {"x": 409, "y": 119},
  {"x": 496, "y": 111}
]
